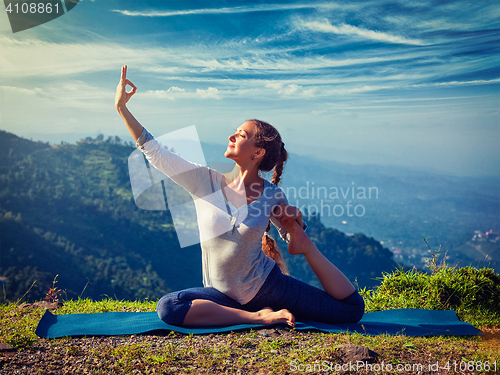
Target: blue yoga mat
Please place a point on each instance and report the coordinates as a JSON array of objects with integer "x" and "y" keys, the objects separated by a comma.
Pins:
[{"x": 409, "y": 322}]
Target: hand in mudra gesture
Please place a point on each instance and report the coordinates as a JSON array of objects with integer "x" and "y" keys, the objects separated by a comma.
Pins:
[{"x": 122, "y": 96}]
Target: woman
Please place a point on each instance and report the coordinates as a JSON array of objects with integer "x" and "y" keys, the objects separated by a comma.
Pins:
[{"x": 242, "y": 279}]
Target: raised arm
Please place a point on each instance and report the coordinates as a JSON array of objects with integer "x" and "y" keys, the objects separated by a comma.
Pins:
[
  {"x": 190, "y": 176},
  {"x": 121, "y": 99}
]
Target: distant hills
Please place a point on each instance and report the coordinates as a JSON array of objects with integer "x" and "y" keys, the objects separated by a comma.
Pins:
[{"x": 68, "y": 210}]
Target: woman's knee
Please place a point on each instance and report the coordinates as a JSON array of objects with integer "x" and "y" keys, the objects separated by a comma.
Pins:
[
  {"x": 172, "y": 309},
  {"x": 350, "y": 310},
  {"x": 357, "y": 304}
]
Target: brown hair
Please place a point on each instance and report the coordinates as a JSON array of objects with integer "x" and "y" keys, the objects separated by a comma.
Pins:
[{"x": 268, "y": 138}]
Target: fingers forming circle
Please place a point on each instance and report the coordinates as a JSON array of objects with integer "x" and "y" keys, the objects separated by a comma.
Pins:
[{"x": 127, "y": 82}]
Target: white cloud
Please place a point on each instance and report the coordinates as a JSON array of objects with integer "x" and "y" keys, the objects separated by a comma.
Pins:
[
  {"x": 210, "y": 93},
  {"x": 458, "y": 16},
  {"x": 170, "y": 94},
  {"x": 275, "y": 86},
  {"x": 162, "y": 69},
  {"x": 11, "y": 90},
  {"x": 317, "y": 113},
  {"x": 175, "y": 88},
  {"x": 327, "y": 27},
  {"x": 459, "y": 83},
  {"x": 175, "y": 92},
  {"x": 59, "y": 59},
  {"x": 294, "y": 75},
  {"x": 309, "y": 92},
  {"x": 65, "y": 59},
  {"x": 232, "y": 10},
  {"x": 291, "y": 89},
  {"x": 283, "y": 89},
  {"x": 72, "y": 94}
]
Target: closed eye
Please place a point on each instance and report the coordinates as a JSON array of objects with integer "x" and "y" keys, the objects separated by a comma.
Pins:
[{"x": 241, "y": 133}]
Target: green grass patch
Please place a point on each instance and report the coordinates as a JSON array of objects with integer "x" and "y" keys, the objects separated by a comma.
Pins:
[
  {"x": 472, "y": 293},
  {"x": 18, "y": 323}
]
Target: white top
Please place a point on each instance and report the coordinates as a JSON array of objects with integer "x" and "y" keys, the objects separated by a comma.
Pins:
[{"x": 231, "y": 243}]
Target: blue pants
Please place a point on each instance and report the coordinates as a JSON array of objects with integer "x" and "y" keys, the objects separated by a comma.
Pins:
[{"x": 278, "y": 292}]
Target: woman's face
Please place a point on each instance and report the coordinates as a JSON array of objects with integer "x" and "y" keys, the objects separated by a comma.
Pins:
[{"x": 241, "y": 145}]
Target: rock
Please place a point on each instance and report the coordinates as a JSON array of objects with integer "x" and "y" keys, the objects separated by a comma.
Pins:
[
  {"x": 6, "y": 349},
  {"x": 41, "y": 304},
  {"x": 48, "y": 305},
  {"x": 269, "y": 333},
  {"x": 354, "y": 353},
  {"x": 23, "y": 306}
]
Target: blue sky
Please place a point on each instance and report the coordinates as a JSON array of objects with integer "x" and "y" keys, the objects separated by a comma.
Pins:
[{"x": 412, "y": 83}]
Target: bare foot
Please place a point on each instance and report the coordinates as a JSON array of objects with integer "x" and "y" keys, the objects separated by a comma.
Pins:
[
  {"x": 269, "y": 316},
  {"x": 299, "y": 242}
]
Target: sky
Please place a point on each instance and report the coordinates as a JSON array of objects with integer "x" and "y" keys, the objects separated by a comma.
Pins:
[{"x": 407, "y": 83}]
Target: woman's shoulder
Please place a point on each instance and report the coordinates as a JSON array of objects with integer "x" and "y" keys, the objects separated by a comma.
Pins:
[
  {"x": 269, "y": 184},
  {"x": 274, "y": 191}
]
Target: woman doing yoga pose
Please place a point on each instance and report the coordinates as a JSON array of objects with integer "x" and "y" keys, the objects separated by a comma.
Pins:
[{"x": 244, "y": 275}]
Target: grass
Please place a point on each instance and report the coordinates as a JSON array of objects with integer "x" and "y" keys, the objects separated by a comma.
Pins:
[
  {"x": 18, "y": 324},
  {"x": 472, "y": 293}
]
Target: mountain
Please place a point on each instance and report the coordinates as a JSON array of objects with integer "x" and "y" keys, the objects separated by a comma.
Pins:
[{"x": 68, "y": 210}]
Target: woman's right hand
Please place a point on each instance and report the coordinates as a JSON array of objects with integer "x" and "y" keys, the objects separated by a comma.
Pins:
[
  {"x": 122, "y": 96},
  {"x": 286, "y": 214}
]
